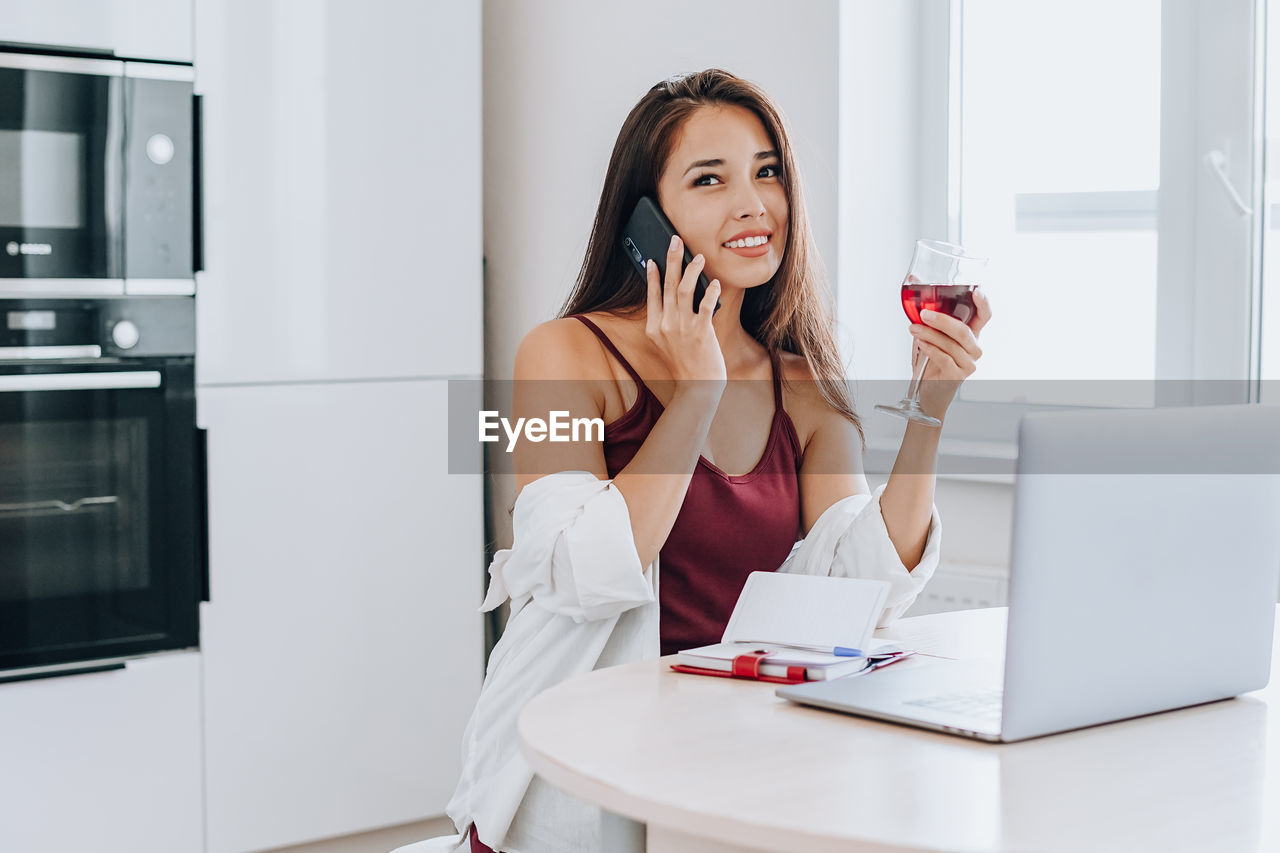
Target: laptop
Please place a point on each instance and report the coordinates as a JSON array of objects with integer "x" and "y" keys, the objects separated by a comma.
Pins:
[{"x": 1143, "y": 577}]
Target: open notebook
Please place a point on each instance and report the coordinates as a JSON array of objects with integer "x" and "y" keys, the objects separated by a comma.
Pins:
[{"x": 799, "y": 627}]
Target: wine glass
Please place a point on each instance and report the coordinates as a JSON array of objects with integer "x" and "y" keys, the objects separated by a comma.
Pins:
[{"x": 940, "y": 278}]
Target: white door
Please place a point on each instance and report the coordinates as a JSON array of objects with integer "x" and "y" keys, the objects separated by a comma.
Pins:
[
  {"x": 342, "y": 642},
  {"x": 341, "y": 190},
  {"x": 104, "y": 761}
]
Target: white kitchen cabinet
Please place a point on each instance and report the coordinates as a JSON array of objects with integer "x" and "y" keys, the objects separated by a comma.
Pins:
[
  {"x": 342, "y": 192},
  {"x": 106, "y": 761},
  {"x": 146, "y": 29},
  {"x": 343, "y": 645}
]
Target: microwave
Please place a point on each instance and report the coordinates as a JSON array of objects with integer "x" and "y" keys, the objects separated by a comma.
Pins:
[{"x": 99, "y": 168}]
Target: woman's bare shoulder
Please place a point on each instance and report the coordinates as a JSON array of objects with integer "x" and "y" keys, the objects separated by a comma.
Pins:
[{"x": 563, "y": 348}]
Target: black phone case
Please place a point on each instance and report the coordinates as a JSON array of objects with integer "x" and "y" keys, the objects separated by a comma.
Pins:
[{"x": 647, "y": 236}]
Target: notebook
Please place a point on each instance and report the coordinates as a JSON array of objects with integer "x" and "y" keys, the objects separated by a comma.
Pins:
[
  {"x": 821, "y": 624},
  {"x": 781, "y": 660}
]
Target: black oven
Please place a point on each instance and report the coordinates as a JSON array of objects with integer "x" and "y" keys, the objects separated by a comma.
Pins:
[
  {"x": 98, "y": 169},
  {"x": 102, "y": 516}
]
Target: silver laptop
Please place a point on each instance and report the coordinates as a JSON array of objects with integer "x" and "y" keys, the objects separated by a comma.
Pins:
[{"x": 1144, "y": 576}]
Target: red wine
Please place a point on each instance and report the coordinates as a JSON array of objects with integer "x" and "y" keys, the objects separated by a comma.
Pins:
[{"x": 955, "y": 300}]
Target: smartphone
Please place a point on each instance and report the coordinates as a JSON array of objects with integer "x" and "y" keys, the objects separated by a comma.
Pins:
[{"x": 647, "y": 236}]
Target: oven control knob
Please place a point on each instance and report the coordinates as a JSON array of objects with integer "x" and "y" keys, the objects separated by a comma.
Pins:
[
  {"x": 125, "y": 334},
  {"x": 160, "y": 149}
]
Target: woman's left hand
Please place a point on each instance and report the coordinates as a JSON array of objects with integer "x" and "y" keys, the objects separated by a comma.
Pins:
[{"x": 953, "y": 353}]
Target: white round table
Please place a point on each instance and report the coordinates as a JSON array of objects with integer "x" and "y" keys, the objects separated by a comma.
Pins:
[{"x": 718, "y": 764}]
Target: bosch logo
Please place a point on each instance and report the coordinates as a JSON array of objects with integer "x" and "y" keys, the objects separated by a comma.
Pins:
[{"x": 28, "y": 248}]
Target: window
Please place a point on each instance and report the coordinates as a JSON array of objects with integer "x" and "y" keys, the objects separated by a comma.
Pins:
[
  {"x": 1108, "y": 161},
  {"x": 1060, "y": 171}
]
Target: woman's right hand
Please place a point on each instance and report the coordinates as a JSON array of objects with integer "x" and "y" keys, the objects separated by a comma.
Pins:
[{"x": 686, "y": 341}]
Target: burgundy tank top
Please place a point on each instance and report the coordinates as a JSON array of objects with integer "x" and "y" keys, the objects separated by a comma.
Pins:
[{"x": 727, "y": 527}]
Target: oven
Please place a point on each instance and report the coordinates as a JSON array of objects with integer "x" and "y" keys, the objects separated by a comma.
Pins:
[
  {"x": 99, "y": 164},
  {"x": 102, "y": 516}
]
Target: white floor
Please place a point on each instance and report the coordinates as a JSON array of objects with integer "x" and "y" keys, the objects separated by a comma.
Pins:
[{"x": 380, "y": 841}]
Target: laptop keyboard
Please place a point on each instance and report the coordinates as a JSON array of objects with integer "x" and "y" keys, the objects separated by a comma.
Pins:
[{"x": 983, "y": 703}]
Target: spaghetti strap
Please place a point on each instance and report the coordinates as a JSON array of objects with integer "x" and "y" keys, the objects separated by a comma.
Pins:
[
  {"x": 777, "y": 380},
  {"x": 774, "y": 361},
  {"x": 604, "y": 339}
]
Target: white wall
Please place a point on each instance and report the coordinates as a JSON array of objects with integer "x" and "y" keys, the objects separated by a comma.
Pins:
[
  {"x": 893, "y": 168},
  {"x": 880, "y": 208},
  {"x": 559, "y": 78}
]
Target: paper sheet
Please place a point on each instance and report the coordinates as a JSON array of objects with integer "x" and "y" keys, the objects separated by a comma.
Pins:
[{"x": 807, "y": 610}]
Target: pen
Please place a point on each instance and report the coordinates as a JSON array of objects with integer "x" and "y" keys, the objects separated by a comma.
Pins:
[{"x": 876, "y": 663}]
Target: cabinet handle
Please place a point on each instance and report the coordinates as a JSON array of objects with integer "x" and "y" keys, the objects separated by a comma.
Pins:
[
  {"x": 197, "y": 183},
  {"x": 60, "y": 506},
  {"x": 202, "y": 509},
  {"x": 28, "y": 353},
  {"x": 80, "y": 381},
  {"x": 29, "y": 675}
]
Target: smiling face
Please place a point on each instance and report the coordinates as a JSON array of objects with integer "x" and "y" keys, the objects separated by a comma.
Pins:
[{"x": 722, "y": 190}]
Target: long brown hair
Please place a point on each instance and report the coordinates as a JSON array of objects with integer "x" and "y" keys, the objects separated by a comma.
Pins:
[{"x": 791, "y": 312}]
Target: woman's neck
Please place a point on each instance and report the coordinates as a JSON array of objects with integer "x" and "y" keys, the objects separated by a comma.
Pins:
[{"x": 741, "y": 351}]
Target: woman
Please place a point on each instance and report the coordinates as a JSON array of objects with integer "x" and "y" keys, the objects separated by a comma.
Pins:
[{"x": 716, "y": 477}]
